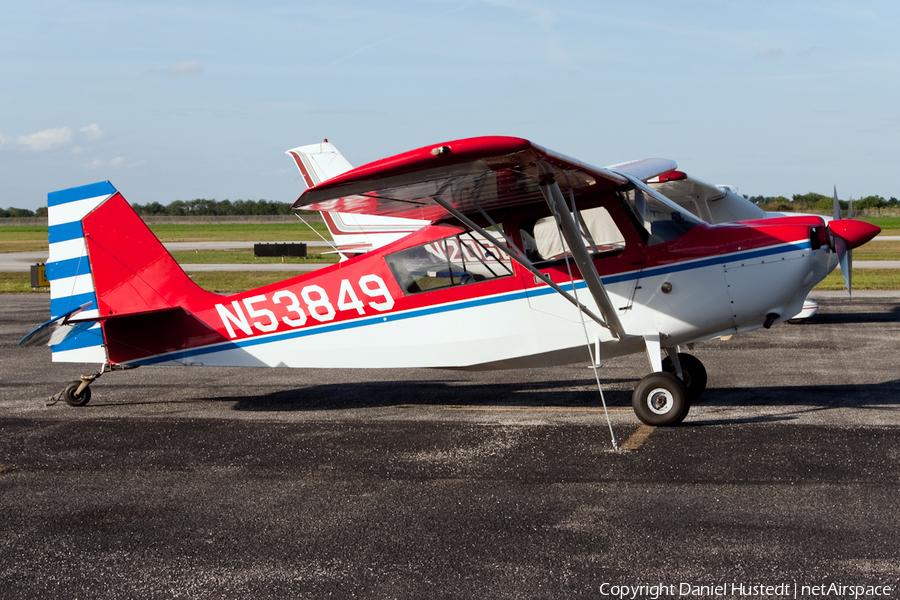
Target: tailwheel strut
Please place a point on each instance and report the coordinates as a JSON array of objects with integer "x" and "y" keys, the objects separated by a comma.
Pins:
[{"x": 78, "y": 392}]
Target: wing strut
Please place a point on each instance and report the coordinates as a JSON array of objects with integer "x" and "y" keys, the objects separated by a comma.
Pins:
[
  {"x": 553, "y": 196},
  {"x": 509, "y": 249}
]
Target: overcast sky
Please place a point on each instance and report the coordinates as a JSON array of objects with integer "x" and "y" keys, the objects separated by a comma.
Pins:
[{"x": 181, "y": 100}]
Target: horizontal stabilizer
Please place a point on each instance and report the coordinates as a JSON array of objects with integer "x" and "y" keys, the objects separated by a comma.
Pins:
[{"x": 42, "y": 334}]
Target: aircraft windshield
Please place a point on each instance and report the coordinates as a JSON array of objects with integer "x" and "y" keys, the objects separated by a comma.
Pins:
[
  {"x": 662, "y": 219},
  {"x": 456, "y": 260}
]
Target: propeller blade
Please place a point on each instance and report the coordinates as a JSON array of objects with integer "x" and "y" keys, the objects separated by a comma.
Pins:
[
  {"x": 837, "y": 205},
  {"x": 847, "y": 234},
  {"x": 847, "y": 271},
  {"x": 840, "y": 246}
]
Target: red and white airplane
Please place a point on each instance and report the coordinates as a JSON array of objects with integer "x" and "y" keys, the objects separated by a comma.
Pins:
[
  {"x": 355, "y": 233},
  {"x": 526, "y": 258}
]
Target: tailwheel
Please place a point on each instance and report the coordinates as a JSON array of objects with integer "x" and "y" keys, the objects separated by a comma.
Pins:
[
  {"x": 75, "y": 398},
  {"x": 660, "y": 399},
  {"x": 694, "y": 373}
]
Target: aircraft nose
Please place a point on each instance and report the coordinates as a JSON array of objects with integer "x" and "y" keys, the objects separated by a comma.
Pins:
[{"x": 854, "y": 233}]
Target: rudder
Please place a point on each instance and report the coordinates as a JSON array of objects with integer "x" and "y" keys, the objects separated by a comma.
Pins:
[{"x": 69, "y": 272}]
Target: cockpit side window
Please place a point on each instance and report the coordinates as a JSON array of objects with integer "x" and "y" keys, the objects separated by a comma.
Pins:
[
  {"x": 460, "y": 259},
  {"x": 661, "y": 219}
]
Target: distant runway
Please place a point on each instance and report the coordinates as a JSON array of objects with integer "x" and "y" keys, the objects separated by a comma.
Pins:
[
  {"x": 182, "y": 246},
  {"x": 20, "y": 262}
]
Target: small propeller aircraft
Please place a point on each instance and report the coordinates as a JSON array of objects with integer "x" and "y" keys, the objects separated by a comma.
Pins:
[{"x": 517, "y": 257}]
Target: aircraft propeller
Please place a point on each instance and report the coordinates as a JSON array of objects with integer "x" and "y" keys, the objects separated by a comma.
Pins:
[{"x": 846, "y": 235}]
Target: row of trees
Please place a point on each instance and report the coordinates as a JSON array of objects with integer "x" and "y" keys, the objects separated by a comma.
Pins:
[
  {"x": 813, "y": 202},
  {"x": 201, "y": 207},
  {"x": 23, "y": 212}
]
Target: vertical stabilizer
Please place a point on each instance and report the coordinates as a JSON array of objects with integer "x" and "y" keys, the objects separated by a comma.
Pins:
[
  {"x": 105, "y": 263},
  {"x": 319, "y": 162}
]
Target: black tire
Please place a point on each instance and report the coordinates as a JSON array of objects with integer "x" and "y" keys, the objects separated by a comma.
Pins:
[
  {"x": 660, "y": 399},
  {"x": 694, "y": 373},
  {"x": 79, "y": 400}
]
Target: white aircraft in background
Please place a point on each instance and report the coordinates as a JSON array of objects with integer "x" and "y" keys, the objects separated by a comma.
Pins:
[{"x": 353, "y": 233}]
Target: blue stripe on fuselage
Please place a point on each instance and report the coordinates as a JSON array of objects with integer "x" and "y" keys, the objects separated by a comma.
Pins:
[{"x": 723, "y": 259}]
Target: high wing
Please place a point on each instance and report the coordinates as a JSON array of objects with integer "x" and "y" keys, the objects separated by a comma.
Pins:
[
  {"x": 471, "y": 175},
  {"x": 646, "y": 168},
  {"x": 475, "y": 176}
]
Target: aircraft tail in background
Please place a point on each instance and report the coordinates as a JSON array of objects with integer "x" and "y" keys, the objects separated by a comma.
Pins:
[{"x": 352, "y": 233}]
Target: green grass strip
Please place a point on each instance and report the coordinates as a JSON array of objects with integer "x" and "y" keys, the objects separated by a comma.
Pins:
[{"x": 863, "y": 279}]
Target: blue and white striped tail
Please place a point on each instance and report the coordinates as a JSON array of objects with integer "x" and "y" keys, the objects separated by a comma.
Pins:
[{"x": 69, "y": 273}]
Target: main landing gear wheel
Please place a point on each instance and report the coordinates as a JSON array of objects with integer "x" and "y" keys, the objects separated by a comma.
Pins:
[
  {"x": 694, "y": 373},
  {"x": 73, "y": 398},
  {"x": 660, "y": 399}
]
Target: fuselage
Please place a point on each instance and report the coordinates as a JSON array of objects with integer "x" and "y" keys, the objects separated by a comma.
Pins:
[{"x": 442, "y": 297}]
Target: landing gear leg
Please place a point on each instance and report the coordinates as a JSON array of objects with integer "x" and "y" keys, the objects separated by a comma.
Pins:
[
  {"x": 78, "y": 392},
  {"x": 692, "y": 372},
  {"x": 664, "y": 396}
]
